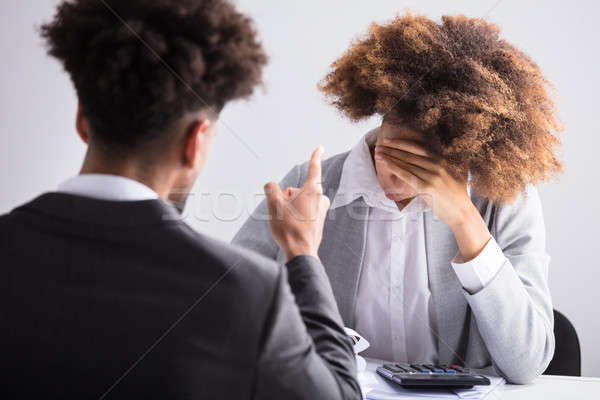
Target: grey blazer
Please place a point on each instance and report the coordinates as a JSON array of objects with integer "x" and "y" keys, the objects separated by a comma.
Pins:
[{"x": 507, "y": 327}]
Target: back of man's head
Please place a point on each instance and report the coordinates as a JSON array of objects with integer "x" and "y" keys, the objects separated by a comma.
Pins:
[{"x": 138, "y": 66}]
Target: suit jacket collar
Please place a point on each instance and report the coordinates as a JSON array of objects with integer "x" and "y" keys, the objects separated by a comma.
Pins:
[
  {"x": 342, "y": 252},
  {"x": 90, "y": 211}
]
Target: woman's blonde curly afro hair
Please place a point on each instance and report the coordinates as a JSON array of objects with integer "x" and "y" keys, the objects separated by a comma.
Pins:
[{"x": 480, "y": 103}]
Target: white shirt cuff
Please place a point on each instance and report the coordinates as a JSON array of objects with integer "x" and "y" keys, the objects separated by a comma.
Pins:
[{"x": 477, "y": 273}]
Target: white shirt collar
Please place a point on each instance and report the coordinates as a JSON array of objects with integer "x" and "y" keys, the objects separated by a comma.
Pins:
[
  {"x": 107, "y": 187},
  {"x": 359, "y": 179}
]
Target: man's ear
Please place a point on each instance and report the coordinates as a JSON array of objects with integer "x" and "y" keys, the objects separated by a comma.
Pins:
[
  {"x": 195, "y": 139},
  {"x": 82, "y": 126}
]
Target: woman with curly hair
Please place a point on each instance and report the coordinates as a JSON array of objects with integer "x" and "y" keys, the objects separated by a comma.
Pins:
[{"x": 435, "y": 242}]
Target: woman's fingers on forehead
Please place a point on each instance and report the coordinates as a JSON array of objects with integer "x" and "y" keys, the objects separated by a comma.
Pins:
[
  {"x": 392, "y": 151},
  {"x": 422, "y": 161},
  {"x": 396, "y": 153},
  {"x": 412, "y": 146}
]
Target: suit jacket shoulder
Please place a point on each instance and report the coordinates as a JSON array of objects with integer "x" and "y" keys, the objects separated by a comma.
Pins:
[{"x": 110, "y": 282}]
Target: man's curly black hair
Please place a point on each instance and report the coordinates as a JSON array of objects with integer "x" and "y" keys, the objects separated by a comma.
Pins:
[{"x": 139, "y": 65}]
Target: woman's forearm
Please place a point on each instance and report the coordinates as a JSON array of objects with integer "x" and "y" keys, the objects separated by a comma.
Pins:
[{"x": 471, "y": 234}]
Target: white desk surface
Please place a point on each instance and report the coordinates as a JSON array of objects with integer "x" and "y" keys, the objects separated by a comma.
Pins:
[
  {"x": 545, "y": 387},
  {"x": 550, "y": 387}
]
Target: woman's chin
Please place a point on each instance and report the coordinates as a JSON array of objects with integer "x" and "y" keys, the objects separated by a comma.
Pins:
[{"x": 398, "y": 197}]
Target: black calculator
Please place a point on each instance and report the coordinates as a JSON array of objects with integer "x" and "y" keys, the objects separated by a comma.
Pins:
[{"x": 429, "y": 376}]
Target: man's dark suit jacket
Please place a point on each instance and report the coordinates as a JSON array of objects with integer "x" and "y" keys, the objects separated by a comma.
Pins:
[{"x": 105, "y": 299}]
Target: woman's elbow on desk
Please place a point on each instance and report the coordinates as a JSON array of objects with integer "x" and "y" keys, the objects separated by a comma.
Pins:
[{"x": 526, "y": 369}]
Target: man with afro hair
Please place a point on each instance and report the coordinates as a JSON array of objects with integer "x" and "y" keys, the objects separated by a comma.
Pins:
[
  {"x": 106, "y": 292},
  {"x": 434, "y": 242}
]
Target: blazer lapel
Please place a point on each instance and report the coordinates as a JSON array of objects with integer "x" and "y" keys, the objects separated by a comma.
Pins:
[
  {"x": 449, "y": 303},
  {"x": 342, "y": 251}
]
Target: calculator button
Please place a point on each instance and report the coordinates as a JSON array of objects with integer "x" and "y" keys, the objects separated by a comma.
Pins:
[
  {"x": 393, "y": 368},
  {"x": 420, "y": 368},
  {"x": 461, "y": 370},
  {"x": 406, "y": 367},
  {"x": 433, "y": 368}
]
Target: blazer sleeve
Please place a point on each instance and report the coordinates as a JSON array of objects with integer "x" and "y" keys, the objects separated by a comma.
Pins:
[
  {"x": 254, "y": 233},
  {"x": 513, "y": 311},
  {"x": 305, "y": 353}
]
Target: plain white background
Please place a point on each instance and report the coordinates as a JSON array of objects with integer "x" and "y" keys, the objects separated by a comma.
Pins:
[{"x": 261, "y": 139}]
